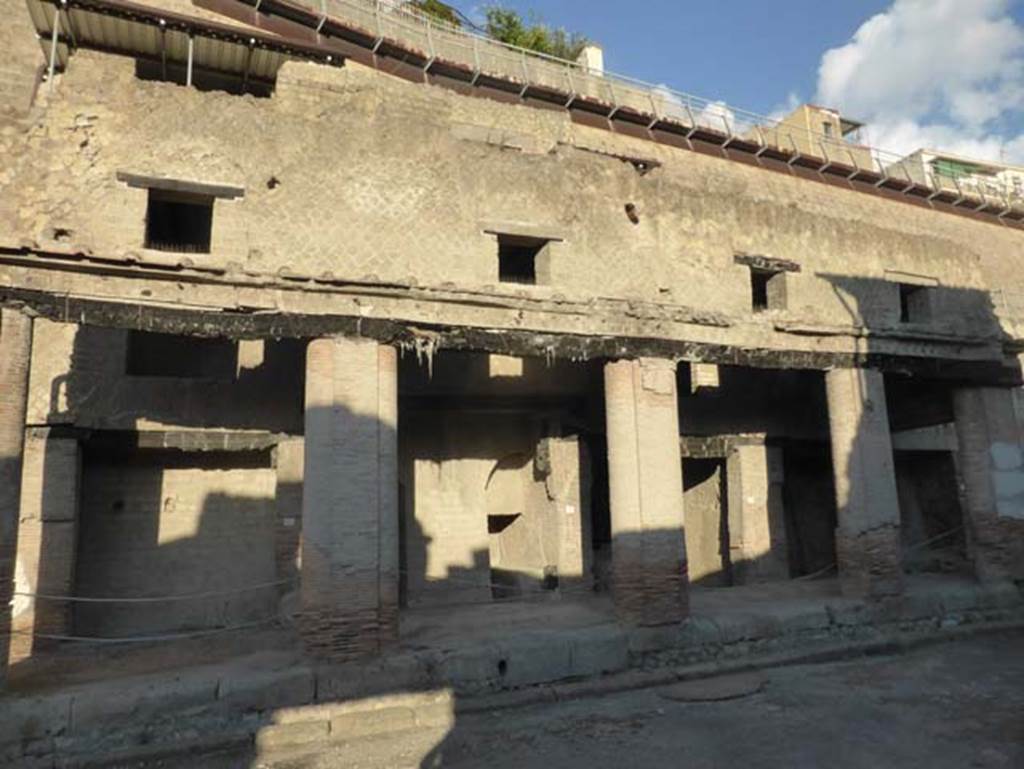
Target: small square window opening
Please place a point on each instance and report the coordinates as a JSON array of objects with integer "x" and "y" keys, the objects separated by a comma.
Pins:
[
  {"x": 518, "y": 258},
  {"x": 179, "y": 221},
  {"x": 767, "y": 289},
  {"x": 915, "y": 303}
]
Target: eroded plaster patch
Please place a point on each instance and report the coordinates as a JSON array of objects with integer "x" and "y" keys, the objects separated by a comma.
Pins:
[{"x": 1008, "y": 479}]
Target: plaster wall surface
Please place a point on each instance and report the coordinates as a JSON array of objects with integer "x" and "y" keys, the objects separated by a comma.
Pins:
[
  {"x": 79, "y": 377},
  {"x": 15, "y": 352},
  {"x": 705, "y": 501},
  {"x": 551, "y": 544},
  {"x": 355, "y": 194},
  {"x": 20, "y": 65},
  {"x": 47, "y": 537},
  {"x": 289, "y": 462},
  {"x": 757, "y": 529},
  {"x": 496, "y": 493},
  {"x": 990, "y": 443},
  {"x": 461, "y": 469},
  {"x": 174, "y": 526},
  {"x": 567, "y": 499}
]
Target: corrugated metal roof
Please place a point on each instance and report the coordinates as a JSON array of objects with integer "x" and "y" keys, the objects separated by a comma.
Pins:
[{"x": 124, "y": 28}]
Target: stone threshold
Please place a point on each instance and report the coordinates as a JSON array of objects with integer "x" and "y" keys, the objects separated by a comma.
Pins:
[{"x": 233, "y": 705}]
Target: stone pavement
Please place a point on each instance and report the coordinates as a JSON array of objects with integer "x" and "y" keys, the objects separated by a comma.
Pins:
[
  {"x": 263, "y": 704},
  {"x": 949, "y": 706}
]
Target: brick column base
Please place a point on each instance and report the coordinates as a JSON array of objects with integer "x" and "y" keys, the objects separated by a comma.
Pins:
[
  {"x": 649, "y": 574},
  {"x": 868, "y": 535},
  {"x": 349, "y": 583}
]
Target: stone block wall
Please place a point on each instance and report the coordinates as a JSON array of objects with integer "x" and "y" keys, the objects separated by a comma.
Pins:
[{"x": 391, "y": 198}]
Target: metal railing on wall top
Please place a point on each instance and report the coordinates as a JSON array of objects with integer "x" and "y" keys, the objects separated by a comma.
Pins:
[{"x": 485, "y": 56}]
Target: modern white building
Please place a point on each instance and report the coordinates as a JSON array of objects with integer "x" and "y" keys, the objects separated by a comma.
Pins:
[{"x": 945, "y": 170}]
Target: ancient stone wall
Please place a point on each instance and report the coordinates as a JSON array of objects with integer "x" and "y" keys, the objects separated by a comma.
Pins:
[
  {"x": 463, "y": 471},
  {"x": 991, "y": 463},
  {"x": 82, "y": 376},
  {"x": 174, "y": 524},
  {"x": 705, "y": 500},
  {"x": 373, "y": 198},
  {"x": 22, "y": 59},
  {"x": 349, "y": 173}
]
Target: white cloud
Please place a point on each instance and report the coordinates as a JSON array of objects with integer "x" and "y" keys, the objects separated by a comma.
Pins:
[
  {"x": 669, "y": 103},
  {"x": 715, "y": 114},
  {"x": 934, "y": 73},
  {"x": 718, "y": 116},
  {"x": 793, "y": 101}
]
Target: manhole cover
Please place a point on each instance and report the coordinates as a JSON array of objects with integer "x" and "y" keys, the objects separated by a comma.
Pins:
[{"x": 716, "y": 689}]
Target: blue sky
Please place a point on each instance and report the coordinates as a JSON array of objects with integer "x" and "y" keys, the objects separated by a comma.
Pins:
[
  {"x": 925, "y": 72},
  {"x": 751, "y": 54}
]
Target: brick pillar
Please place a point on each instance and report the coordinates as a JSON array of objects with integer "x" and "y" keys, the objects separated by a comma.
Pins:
[
  {"x": 47, "y": 539},
  {"x": 868, "y": 531},
  {"x": 757, "y": 526},
  {"x": 992, "y": 470},
  {"x": 649, "y": 578},
  {"x": 15, "y": 357},
  {"x": 349, "y": 593}
]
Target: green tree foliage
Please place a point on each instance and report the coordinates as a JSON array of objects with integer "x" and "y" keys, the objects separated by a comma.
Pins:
[
  {"x": 509, "y": 27},
  {"x": 438, "y": 10}
]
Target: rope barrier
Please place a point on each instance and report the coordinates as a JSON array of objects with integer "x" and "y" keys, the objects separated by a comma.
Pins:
[
  {"x": 156, "y": 599},
  {"x": 148, "y": 638},
  {"x": 468, "y": 581},
  {"x": 943, "y": 535},
  {"x": 917, "y": 546},
  {"x": 813, "y": 574},
  {"x": 524, "y": 594}
]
